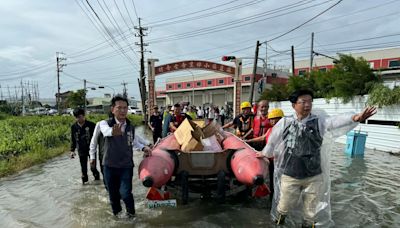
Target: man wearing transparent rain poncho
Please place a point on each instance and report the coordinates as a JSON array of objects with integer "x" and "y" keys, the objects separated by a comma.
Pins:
[{"x": 300, "y": 145}]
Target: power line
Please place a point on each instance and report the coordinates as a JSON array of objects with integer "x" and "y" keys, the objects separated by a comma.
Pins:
[
  {"x": 297, "y": 27},
  {"x": 25, "y": 70},
  {"x": 109, "y": 33},
  {"x": 240, "y": 22},
  {"x": 95, "y": 24},
  {"x": 330, "y": 19},
  {"x": 329, "y": 30},
  {"x": 116, "y": 26},
  {"x": 134, "y": 7},
  {"x": 165, "y": 22},
  {"x": 122, "y": 16},
  {"x": 129, "y": 15}
]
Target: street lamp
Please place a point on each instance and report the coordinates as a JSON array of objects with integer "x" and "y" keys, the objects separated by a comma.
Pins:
[
  {"x": 102, "y": 87},
  {"x": 192, "y": 86},
  {"x": 335, "y": 60}
]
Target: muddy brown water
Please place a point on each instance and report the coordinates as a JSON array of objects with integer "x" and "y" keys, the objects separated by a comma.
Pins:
[{"x": 365, "y": 193}]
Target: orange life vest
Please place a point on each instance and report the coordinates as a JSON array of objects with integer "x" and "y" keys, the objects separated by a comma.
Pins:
[
  {"x": 245, "y": 126},
  {"x": 261, "y": 126}
]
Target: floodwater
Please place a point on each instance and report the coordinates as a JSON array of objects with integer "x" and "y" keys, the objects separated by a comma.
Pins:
[{"x": 365, "y": 193}]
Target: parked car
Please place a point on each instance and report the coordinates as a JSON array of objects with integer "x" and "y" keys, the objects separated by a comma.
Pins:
[
  {"x": 134, "y": 110},
  {"x": 68, "y": 111},
  {"x": 52, "y": 111}
]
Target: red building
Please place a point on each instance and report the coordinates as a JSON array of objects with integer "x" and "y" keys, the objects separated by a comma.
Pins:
[
  {"x": 385, "y": 62},
  {"x": 215, "y": 88}
]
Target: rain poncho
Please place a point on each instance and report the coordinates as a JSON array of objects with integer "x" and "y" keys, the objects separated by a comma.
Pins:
[{"x": 301, "y": 151}]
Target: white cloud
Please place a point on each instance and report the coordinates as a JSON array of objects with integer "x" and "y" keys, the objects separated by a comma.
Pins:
[
  {"x": 20, "y": 55},
  {"x": 32, "y": 31}
]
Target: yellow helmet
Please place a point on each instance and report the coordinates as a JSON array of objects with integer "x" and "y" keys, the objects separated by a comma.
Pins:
[
  {"x": 275, "y": 113},
  {"x": 245, "y": 104}
]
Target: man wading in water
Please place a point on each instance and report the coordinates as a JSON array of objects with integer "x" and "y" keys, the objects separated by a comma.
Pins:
[
  {"x": 302, "y": 161},
  {"x": 81, "y": 134},
  {"x": 119, "y": 143}
]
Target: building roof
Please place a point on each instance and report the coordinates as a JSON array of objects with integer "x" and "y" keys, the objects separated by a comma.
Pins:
[
  {"x": 367, "y": 55},
  {"x": 213, "y": 75}
]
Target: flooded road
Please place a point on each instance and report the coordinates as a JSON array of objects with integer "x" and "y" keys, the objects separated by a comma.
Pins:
[{"x": 365, "y": 193}]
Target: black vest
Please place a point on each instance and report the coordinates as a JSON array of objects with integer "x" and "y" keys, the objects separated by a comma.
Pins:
[
  {"x": 118, "y": 152},
  {"x": 302, "y": 157},
  {"x": 83, "y": 136}
]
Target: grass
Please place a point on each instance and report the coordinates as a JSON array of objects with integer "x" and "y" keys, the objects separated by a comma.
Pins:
[
  {"x": 21, "y": 162},
  {"x": 28, "y": 141}
]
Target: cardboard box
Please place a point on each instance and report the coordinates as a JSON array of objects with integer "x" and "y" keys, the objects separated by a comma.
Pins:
[
  {"x": 200, "y": 123},
  {"x": 214, "y": 128},
  {"x": 189, "y": 136}
]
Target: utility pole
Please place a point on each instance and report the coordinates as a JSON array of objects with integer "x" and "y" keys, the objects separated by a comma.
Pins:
[
  {"x": 293, "y": 73},
  {"x": 142, "y": 83},
  {"x": 22, "y": 99},
  {"x": 265, "y": 76},
  {"x": 16, "y": 94},
  {"x": 254, "y": 73},
  {"x": 1, "y": 93},
  {"x": 37, "y": 91},
  {"x": 28, "y": 93},
  {"x": 125, "y": 92},
  {"x": 9, "y": 93},
  {"x": 59, "y": 69},
  {"x": 84, "y": 95},
  {"x": 312, "y": 51}
]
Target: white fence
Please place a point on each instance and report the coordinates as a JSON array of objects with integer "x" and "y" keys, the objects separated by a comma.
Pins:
[{"x": 380, "y": 137}]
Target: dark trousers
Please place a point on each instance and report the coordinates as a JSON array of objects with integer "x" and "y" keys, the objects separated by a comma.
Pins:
[
  {"x": 271, "y": 175},
  {"x": 156, "y": 135},
  {"x": 119, "y": 185},
  {"x": 83, "y": 159},
  {"x": 222, "y": 120}
]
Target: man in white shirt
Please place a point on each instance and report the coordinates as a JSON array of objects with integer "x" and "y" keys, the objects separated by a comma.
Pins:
[
  {"x": 200, "y": 113},
  {"x": 119, "y": 143},
  {"x": 295, "y": 143}
]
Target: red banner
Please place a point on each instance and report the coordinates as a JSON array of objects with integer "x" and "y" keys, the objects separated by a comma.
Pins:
[{"x": 194, "y": 64}]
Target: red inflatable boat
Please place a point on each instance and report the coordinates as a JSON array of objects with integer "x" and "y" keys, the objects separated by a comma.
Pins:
[{"x": 204, "y": 173}]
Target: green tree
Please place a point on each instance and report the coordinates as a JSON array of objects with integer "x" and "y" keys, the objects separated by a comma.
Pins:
[
  {"x": 351, "y": 77},
  {"x": 278, "y": 92},
  {"x": 302, "y": 82},
  {"x": 76, "y": 99},
  {"x": 382, "y": 95}
]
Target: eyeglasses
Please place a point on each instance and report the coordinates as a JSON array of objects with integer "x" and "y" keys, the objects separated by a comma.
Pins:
[
  {"x": 121, "y": 108},
  {"x": 303, "y": 102}
]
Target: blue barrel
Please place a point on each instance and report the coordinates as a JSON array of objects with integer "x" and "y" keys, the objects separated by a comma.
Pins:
[{"x": 355, "y": 144}]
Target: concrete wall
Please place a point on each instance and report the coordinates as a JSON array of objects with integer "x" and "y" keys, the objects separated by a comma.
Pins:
[{"x": 380, "y": 137}]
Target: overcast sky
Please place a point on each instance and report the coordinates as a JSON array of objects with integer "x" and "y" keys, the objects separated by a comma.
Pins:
[{"x": 33, "y": 31}]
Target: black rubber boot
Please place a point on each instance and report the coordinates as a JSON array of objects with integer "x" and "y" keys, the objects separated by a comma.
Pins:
[
  {"x": 130, "y": 212},
  {"x": 96, "y": 176},
  {"x": 280, "y": 220},
  {"x": 85, "y": 179}
]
